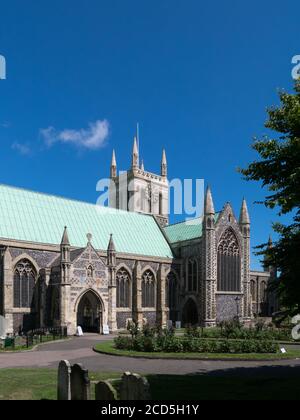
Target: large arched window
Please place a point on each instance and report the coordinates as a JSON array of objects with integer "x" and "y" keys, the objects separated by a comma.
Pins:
[
  {"x": 263, "y": 291},
  {"x": 123, "y": 289},
  {"x": 253, "y": 290},
  {"x": 192, "y": 275},
  {"x": 229, "y": 263},
  {"x": 24, "y": 283},
  {"x": 171, "y": 291},
  {"x": 148, "y": 290}
]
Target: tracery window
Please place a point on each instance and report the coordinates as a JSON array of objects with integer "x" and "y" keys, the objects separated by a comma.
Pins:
[
  {"x": 263, "y": 291},
  {"x": 24, "y": 283},
  {"x": 148, "y": 290},
  {"x": 123, "y": 289},
  {"x": 192, "y": 275},
  {"x": 253, "y": 290},
  {"x": 171, "y": 291},
  {"x": 229, "y": 263}
]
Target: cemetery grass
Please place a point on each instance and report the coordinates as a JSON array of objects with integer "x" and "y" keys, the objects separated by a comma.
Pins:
[
  {"x": 37, "y": 384},
  {"x": 40, "y": 384},
  {"x": 109, "y": 348}
]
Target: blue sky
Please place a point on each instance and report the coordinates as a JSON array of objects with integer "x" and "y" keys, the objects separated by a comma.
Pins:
[{"x": 197, "y": 75}]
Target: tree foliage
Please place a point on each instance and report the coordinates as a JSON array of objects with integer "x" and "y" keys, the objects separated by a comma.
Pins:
[{"x": 279, "y": 171}]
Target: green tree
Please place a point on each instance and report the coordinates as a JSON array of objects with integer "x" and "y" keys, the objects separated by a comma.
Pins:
[{"x": 279, "y": 171}]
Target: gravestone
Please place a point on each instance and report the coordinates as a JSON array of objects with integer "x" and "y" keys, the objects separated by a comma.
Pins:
[
  {"x": 105, "y": 330},
  {"x": 79, "y": 332},
  {"x": 80, "y": 383},
  {"x": 104, "y": 391},
  {"x": 134, "y": 388},
  {"x": 2, "y": 327},
  {"x": 64, "y": 381},
  {"x": 170, "y": 324},
  {"x": 178, "y": 325}
]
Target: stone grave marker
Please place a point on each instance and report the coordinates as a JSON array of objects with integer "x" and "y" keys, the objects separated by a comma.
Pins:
[
  {"x": 104, "y": 391},
  {"x": 80, "y": 383},
  {"x": 64, "y": 381},
  {"x": 134, "y": 387}
]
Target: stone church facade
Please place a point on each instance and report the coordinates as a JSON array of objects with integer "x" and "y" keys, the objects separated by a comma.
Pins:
[{"x": 68, "y": 263}]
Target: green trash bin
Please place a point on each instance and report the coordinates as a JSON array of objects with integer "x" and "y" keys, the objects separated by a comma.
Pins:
[{"x": 9, "y": 342}]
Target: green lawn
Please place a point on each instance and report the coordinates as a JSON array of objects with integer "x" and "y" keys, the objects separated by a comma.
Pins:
[
  {"x": 37, "y": 384},
  {"x": 108, "y": 348}
]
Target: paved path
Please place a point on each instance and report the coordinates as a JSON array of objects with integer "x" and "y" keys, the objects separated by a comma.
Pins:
[{"x": 80, "y": 350}]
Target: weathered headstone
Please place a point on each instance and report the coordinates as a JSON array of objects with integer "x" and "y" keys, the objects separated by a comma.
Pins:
[
  {"x": 80, "y": 383},
  {"x": 170, "y": 324},
  {"x": 134, "y": 387},
  {"x": 2, "y": 327},
  {"x": 104, "y": 391},
  {"x": 79, "y": 332},
  {"x": 105, "y": 330},
  {"x": 64, "y": 381}
]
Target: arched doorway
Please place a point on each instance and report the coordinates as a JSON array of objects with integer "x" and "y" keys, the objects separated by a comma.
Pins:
[
  {"x": 89, "y": 313},
  {"x": 190, "y": 313}
]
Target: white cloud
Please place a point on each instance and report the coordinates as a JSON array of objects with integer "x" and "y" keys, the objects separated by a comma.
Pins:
[
  {"x": 94, "y": 137},
  {"x": 23, "y": 149}
]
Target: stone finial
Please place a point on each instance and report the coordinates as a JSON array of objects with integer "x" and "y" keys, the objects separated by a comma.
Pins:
[
  {"x": 244, "y": 214},
  {"x": 65, "y": 239},
  {"x": 111, "y": 245},
  {"x": 142, "y": 166},
  {"x": 164, "y": 164},
  {"x": 135, "y": 154},
  {"x": 208, "y": 203},
  {"x": 113, "y": 166},
  {"x": 89, "y": 238}
]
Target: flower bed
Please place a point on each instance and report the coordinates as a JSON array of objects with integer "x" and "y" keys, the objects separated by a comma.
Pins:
[{"x": 165, "y": 341}]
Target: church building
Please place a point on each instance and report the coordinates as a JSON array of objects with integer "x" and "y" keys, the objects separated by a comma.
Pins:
[{"x": 69, "y": 263}]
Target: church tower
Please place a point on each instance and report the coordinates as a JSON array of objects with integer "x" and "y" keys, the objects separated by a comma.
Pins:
[{"x": 138, "y": 190}]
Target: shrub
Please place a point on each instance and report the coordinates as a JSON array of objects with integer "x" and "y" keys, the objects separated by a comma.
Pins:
[{"x": 123, "y": 343}]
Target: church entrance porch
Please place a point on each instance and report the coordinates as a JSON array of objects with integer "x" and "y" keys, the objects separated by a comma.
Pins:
[
  {"x": 89, "y": 313},
  {"x": 190, "y": 313}
]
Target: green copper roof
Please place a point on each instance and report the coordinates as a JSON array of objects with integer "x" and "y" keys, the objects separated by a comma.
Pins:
[
  {"x": 35, "y": 217},
  {"x": 187, "y": 230}
]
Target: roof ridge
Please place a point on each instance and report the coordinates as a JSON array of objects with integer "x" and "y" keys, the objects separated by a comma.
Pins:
[
  {"x": 189, "y": 220},
  {"x": 74, "y": 200}
]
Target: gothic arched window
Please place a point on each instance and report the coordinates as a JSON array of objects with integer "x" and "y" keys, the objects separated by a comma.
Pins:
[
  {"x": 24, "y": 283},
  {"x": 171, "y": 291},
  {"x": 263, "y": 291},
  {"x": 123, "y": 289},
  {"x": 192, "y": 275},
  {"x": 253, "y": 290},
  {"x": 229, "y": 263},
  {"x": 148, "y": 290}
]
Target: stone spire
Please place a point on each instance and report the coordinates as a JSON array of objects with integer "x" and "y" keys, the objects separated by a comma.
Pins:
[
  {"x": 113, "y": 166},
  {"x": 244, "y": 214},
  {"x": 65, "y": 239},
  {"x": 65, "y": 247},
  {"x": 164, "y": 165},
  {"x": 135, "y": 155},
  {"x": 270, "y": 242},
  {"x": 111, "y": 252},
  {"x": 209, "y": 204},
  {"x": 111, "y": 245}
]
